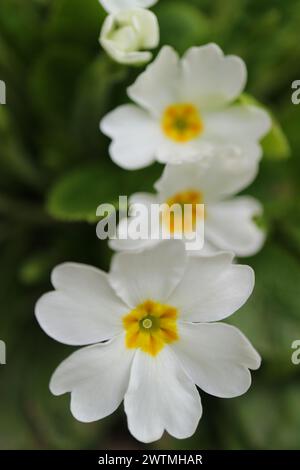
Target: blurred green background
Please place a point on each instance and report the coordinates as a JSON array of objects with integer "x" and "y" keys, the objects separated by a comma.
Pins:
[{"x": 55, "y": 170}]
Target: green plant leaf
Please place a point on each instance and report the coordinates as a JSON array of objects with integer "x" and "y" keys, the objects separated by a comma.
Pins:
[
  {"x": 275, "y": 144},
  {"x": 76, "y": 196}
]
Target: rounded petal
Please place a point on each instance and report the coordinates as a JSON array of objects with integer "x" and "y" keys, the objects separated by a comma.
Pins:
[
  {"x": 148, "y": 28},
  {"x": 212, "y": 288},
  {"x": 161, "y": 397},
  {"x": 211, "y": 79},
  {"x": 97, "y": 377},
  {"x": 251, "y": 151},
  {"x": 215, "y": 178},
  {"x": 113, "y": 6},
  {"x": 149, "y": 275},
  {"x": 158, "y": 86},
  {"x": 84, "y": 308},
  {"x": 230, "y": 226},
  {"x": 129, "y": 244},
  {"x": 237, "y": 123},
  {"x": 217, "y": 357},
  {"x": 135, "y": 136}
]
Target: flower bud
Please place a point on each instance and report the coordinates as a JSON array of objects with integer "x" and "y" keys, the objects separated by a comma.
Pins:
[{"x": 127, "y": 34}]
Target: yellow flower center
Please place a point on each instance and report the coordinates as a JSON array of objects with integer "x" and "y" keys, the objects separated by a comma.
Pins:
[
  {"x": 150, "y": 326},
  {"x": 184, "y": 220},
  {"x": 182, "y": 122}
]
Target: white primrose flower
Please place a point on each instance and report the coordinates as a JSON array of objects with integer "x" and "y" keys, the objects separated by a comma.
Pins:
[
  {"x": 150, "y": 324},
  {"x": 126, "y": 35},
  {"x": 114, "y": 6},
  {"x": 229, "y": 222},
  {"x": 184, "y": 111}
]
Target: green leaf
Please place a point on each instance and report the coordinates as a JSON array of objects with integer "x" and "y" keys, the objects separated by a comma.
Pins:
[
  {"x": 275, "y": 144},
  {"x": 78, "y": 194}
]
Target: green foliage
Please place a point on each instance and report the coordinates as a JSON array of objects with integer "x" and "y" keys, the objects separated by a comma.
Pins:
[
  {"x": 66, "y": 201},
  {"x": 55, "y": 170},
  {"x": 100, "y": 183}
]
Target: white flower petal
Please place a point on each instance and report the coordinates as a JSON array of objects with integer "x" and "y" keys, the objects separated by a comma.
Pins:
[
  {"x": 217, "y": 357},
  {"x": 148, "y": 28},
  {"x": 208, "y": 249},
  {"x": 149, "y": 275},
  {"x": 132, "y": 245},
  {"x": 211, "y": 79},
  {"x": 252, "y": 151},
  {"x": 113, "y": 6},
  {"x": 97, "y": 377},
  {"x": 158, "y": 86},
  {"x": 212, "y": 288},
  {"x": 176, "y": 178},
  {"x": 215, "y": 178},
  {"x": 230, "y": 226},
  {"x": 173, "y": 152},
  {"x": 84, "y": 308},
  {"x": 238, "y": 128},
  {"x": 135, "y": 136},
  {"x": 237, "y": 123},
  {"x": 161, "y": 397},
  {"x": 123, "y": 57}
]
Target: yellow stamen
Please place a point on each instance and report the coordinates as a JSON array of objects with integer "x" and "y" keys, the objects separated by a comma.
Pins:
[
  {"x": 150, "y": 326},
  {"x": 190, "y": 201},
  {"x": 182, "y": 122}
]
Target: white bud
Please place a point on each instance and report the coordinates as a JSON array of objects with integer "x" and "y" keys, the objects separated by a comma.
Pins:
[{"x": 127, "y": 34}]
